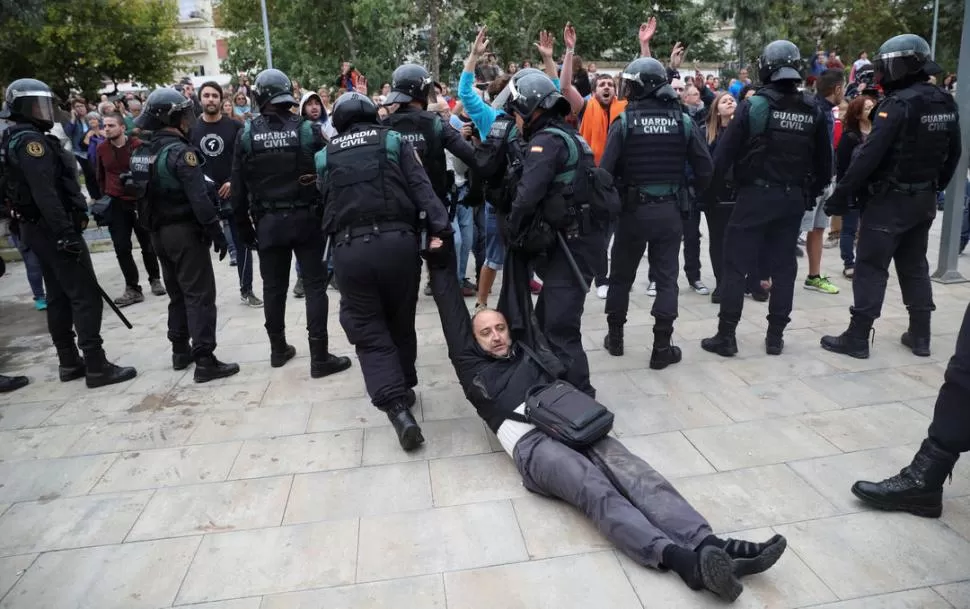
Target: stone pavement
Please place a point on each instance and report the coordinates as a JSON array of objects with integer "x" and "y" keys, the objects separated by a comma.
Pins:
[{"x": 274, "y": 491}]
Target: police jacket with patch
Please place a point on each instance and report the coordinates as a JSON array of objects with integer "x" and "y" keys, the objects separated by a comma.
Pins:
[
  {"x": 169, "y": 183},
  {"x": 500, "y": 159},
  {"x": 431, "y": 136},
  {"x": 914, "y": 144},
  {"x": 38, "y": 178},
  {"x": 272, "y": 168},
  {"x": 369, "y": 175}
]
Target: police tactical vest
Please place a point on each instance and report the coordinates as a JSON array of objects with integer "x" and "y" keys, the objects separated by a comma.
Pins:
[
  {"x": 161, "y": 199},
  {"x": 921, "y": 148},
  {"x": 782, "y": 141},
  {"x": 14, "y": 190},
  {"x": 654, "y": 146},
  {"x": 362, "y": 181},
  {"x": 569, "y": 190},
  {"x": 500, "y": 158},
  {"x": 276, "y": 157},
  {"x": 423, "y": 131}
]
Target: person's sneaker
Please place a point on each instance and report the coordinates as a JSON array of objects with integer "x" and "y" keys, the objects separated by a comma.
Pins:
[
  {"x": 535, "y": 287},
  {"x": 760, "y": 294},
  {"x": 801, "y": 239},
  {"x": 848, "y": 272},
  {"x": 602, "y": 291},
  {"x": 427, "y": 289},
  {"x": 799, "y": 252},
  {"x": 699, "y": 287},
  {"x": 479, "y": 306},
  {"x": 652, "y": 288},
  {"x": 130, "y": 297},
  {"x": 232, "y": 262},
  {"x": 40, "y": 304},
  {"x": 831, "y": 242},
  {"x": 157, "y": 288},
  {"x": 298, "y": 291},
  {"x": 468, "y": 289},
  {"x": 821, "y": 284},
  {"x": 250, "y": 300}
]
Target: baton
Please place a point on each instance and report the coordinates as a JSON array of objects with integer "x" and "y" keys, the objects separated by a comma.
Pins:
[
  {"x": 326, "y": 259},
  {"x": 423, "y": 221},
  {"x": 572, "y": 262},
  {"x": 105, "y": 297}
]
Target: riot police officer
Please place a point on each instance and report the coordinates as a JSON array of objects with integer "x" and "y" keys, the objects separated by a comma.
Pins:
[
  {"x": 175, "y": 206},
  {"x": 911, "y": 153},
  {"x": 547, "y": 197},
  {"x": 647, "y": 149},
  {"x": 373, "y": 186},
  {"x": 39, "y": 182},
  {"x": 780, "y": 150},
  {"x": 274, "y": 183}
]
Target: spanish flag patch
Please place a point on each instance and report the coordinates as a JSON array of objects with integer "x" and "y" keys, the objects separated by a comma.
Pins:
[{"x": 536, "y": 149}]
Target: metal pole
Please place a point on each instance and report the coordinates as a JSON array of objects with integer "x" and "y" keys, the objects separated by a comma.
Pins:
[
  {"x": 269, "y": 49},
  {"x": 946, "y": 271},
  {"x": 936, "y": 20}
]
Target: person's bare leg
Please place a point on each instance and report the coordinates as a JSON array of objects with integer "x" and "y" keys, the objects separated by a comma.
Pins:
[
  {"x": 813, "y": 247},
  {"x": 485, "y": 283}
]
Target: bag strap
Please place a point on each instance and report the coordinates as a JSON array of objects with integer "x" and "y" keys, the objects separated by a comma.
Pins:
[{"x": 532, "y": 355}]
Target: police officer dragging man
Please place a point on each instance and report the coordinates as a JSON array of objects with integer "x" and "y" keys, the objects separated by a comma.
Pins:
[
  {"x": 174, "y": 204},
  {"x": 39, "y": 182},
  {"x": 373, "y": 187},
  {"x": 910, "y": 154},
  {"x": 647, "y": 148},
  {"x": 273, "y": 185},
  {"x": 780, "y": 150}
]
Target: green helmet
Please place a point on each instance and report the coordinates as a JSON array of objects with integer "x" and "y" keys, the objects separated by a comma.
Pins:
[{"x": 273, "y": 87}]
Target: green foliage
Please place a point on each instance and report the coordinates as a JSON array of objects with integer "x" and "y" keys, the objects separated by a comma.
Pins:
[{"x": 74, "y": 45}]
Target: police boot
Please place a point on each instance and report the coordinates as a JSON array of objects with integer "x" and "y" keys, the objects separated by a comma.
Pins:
[
  {"x": 408, "y": 432},
  {"x": 208, "y": 368},
  {"x": 917, "y": 338},
  {"x": 917, "y": 488},
  {"x": 279, "y": 351},
  {"x": 854, "y": 342},
  {"x": 724, "y": 343},
  {"x": 71, "y": 365},
  {"x": 181, "y": 355},
  {"x": 774, "y": 343},
  {"x": 100, "y": 372},
  {"x": 12, "y": 383},
  {"x": 613, "y": 342},
  {"x": 322, "y": 362},
  {"x": 663, "y": 353}
]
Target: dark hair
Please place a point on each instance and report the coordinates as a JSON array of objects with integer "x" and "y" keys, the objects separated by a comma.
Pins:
[
  {"x": 602, "y": 76},
  {"x": 495, "y": 87},
  {"x": 212, "y": 85},
  {"x": 829, "y": 80},
  {"x": 115, "y": 115},
  {"x": 744, "y": 91},
  {"x": 853, "y": 114}
]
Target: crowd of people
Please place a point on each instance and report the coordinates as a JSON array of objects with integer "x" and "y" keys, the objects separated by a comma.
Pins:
[{"x": 555, "y": 175}]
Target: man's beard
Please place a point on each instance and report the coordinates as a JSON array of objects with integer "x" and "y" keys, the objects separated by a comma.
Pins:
[{"x": 212, "y": 110}]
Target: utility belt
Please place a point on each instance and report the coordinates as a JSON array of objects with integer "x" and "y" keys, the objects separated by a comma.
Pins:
[
  {"x": 759, "y": 183},
  {"x": 264, "y": 207},
  {"x": 373, "y": 229},
  {"x": 890, "y": 185},
  {"x": 635, "y": 195}
]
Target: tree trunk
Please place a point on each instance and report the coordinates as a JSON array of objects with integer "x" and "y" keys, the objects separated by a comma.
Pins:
[
  {"x": 434, "y": 44},
  {"x": 350, "y": 41}
]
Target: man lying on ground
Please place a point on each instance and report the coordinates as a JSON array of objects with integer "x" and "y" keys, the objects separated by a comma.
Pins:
[{"x": 632, "y": 505}]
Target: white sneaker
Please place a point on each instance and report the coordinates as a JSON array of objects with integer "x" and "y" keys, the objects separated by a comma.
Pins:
[
  {"x": 601, "y": 291},
  {"x": 652, "y": 288},
  {"x": 699, "y": 287}
]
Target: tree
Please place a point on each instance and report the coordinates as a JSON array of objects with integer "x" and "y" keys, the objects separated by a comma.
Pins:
[{"x": 76, "y": 45}]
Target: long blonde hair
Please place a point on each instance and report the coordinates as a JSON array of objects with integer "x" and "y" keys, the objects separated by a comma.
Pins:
[{"x": 714, "y": 127}]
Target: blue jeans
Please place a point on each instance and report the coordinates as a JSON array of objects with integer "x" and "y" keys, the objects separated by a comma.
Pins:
[
  {"x": 494, "y": 243},
  {"x": 35, "y": 276},
  {"x": 227, "y": 230},
  {"x": 850, "y": 226},
  {"x": 244, "y": 260},
  {"x": 464, "y": 227}
]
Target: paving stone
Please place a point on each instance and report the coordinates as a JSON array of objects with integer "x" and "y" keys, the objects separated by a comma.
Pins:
[
  {"x": 650, "y": 414},
  {"x": 169, "y": 467},
  {"x": 348, "y": 413},
  {"x": 875, "y": 387},
  {"x": 38, "y": 442},
  {"x": 270, "y": 561},
  {"x": 451, "y": 438},
  {"x": 555, "y": 528},
  {"x": 957, "y": 594},
  {"x": 923, "y": 598},
  {"x": 440, "y": 539},
  {"x": 19, "y": 416},
  {"x": 446, "y": 403},
  {"x": 73, "y": 522},
  {"x": 129, "y": 576},
  {"x": 364, "y": 491},
  {"x": 476, "y": 478},
  {"x": 778, "y": 399},
  {"x": 758, "y": 443},
  {"x": 251, "y": 423},
  {"x": 869, "y": 426},
  {"x": 412, "y": 593},
  {"x": 299, "y": 454},
  {"x": 245, "y": 391},
  {"x": 51, "y": 478},
  {"x": 12, "y": 568},
  {"x": 879, "y": 552},
  {"x": 770, "y": 369},
  {"x": 669, "y": 453},
  {"x": 241, "y": 603},
  {"x": 213, "y": 508},
  {"x": 101, "y": 437},
  {"x": 956, "y": 514}
]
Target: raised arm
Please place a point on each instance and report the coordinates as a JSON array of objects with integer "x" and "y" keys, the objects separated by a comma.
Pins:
[
  {"x": 546, "y": 46},
  {"x": 647, "y": 30},
  {"x": 576, "y": 100}
]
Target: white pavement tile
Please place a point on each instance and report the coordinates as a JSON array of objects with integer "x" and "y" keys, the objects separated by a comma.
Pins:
[
  {"x": 772, "y": 369},
  {"x": 956, "y": 514},
  {"x": 875, "y": 387},
  {"x": 427, "y": 592},
  {"x": 923, "y": 598},
  {"x": 347, "y": 413},
  {"x": 451, "y": 438},
  {"x": 475, "y": 478},
  {"x": 19, "y": 416},
  {"x": 241, "y": 603},
  {"x": 769, "y": 400},
  {"x": 299, "y": 454},
  {"x": 669, "y": 453},
  {"x": 555, "y": 528},
  {"x": 250, "y": 423},
  {"x": 51, "y": 478},
  {"x": 38, "y": 442},
  {"x": 868, "y": 426},
  {"x": 11, "y": 570},
  {"x": 102, "y": 437},
  {"x": 758, "y": 443},
  {"x": 648, "y": 414},
  {"x": 957, "y": 594},
  {"x": 169, "y": 467}
]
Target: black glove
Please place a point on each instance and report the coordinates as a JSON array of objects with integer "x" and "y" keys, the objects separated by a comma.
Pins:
[
  {"x": 835, "y": 206},
  {"x": 247, "y": 234},
  {"x": 79, "y": 219},
  {"x": 443, "y": 256},
  {"x": 215, "y": 234},
  {"x": 71, "y": 244}
]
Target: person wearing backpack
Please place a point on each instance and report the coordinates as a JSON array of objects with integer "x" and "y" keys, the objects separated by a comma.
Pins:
[{"x": 648, "y": 147}]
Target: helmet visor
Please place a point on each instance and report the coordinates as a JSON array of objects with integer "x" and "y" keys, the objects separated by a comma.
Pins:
[
  {"x": 502, "y": 99},
  {"x": 431, "y": 92},
  {"x": 515, "y": 98},
  {"x": 896, "y": 65},
  {"x": 37, "y": 105},
  {"x": 627, "y": 81}
]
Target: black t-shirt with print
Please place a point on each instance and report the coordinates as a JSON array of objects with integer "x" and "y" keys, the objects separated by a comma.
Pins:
[{"x": 216, "y": 141}]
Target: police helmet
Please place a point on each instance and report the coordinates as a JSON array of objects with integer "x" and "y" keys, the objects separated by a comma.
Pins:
[
  {"x": 780, "y": 60},
  {"x": 411, "y": 82},
  {"x": 164, "y": 108},
  {"x": 502, "y": 99},
  {"x": 903, "y": 56},
  {"x": 529, "y": 92},
  {"x": 865, "y": 73},
  {"x": 645, "y": 77},
  {"x": 353, "y": 108},
  {"x": 273, "y": 87},
  {"x": 30, "y": 101}
]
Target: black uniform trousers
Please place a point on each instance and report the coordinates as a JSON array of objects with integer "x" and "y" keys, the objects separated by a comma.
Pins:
[
  {"x": 73, "y": 299},
  {"x": 895, "y": 227},
  {"x": 659, "y": 225},
  {"x": 123, "y": 221},
  {"x": 951, "y": 418},
  {"x": 718, "y": 216},
  {"x": 183, "y": 251},
  {"x": 691, "y": 223},
  {"x": 765, "y": 224},
  {"x": 378, "y": 277},
  {"x": 282, "y": 235},
  {"x": 559, "y": 309}
]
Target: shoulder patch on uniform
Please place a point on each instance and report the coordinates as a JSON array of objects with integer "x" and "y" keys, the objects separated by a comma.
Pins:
[
  {"x": 190, "y": 159},
  {"x": 535, "y": 149},
  {"x": 35, "y": 149}
]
